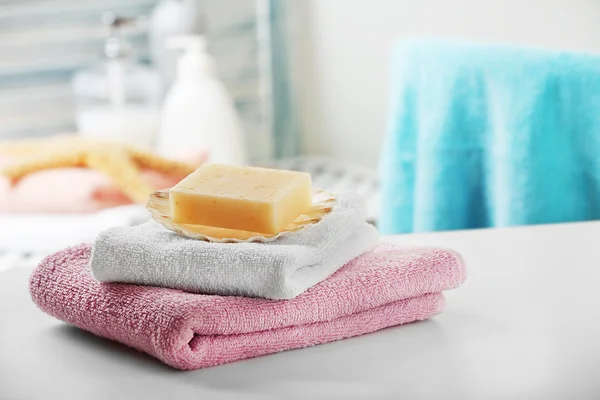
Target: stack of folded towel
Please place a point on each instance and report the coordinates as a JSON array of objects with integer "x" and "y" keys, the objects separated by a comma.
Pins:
[{"x": 194, "y": 304}]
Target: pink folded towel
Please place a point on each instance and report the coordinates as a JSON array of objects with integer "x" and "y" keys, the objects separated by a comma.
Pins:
[{"x": 384, "y": 287}]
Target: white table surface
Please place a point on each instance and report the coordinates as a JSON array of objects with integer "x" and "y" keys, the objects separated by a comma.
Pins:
[{"x": 526, "y": 325}]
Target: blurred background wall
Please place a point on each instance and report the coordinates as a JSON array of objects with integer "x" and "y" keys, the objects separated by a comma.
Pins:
[
  {"x": 343, "y": 50},
  {"x": 340, "y": 57}
]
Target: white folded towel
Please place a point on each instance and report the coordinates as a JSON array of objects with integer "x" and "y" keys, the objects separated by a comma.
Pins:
[{"x": 149, "y": 254}]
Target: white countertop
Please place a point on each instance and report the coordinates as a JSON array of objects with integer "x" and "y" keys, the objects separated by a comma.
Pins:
[{"x": 525, "y": 325}]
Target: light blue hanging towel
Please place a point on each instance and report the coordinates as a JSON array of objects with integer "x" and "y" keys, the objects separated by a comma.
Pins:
[{"x": 488, "y": 136}]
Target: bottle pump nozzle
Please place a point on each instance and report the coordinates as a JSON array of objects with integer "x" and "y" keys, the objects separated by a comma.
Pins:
[{"x": 195, "y": 59}]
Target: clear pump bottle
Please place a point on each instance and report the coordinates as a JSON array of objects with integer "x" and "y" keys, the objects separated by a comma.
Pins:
[{"x": 119, "y": 99}]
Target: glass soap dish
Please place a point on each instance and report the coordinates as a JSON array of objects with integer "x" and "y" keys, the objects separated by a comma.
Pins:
[{"x": 159, "y": 207}]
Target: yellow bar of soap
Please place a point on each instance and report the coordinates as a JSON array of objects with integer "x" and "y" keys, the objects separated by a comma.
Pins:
[{"x": 244, "y": 198}]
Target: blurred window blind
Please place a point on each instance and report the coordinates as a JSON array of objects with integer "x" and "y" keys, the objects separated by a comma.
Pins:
[{"x": 42, "y": 44}]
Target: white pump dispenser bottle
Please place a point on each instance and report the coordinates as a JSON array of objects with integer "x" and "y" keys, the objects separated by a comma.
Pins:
[{"x": 198, "y": 114}]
